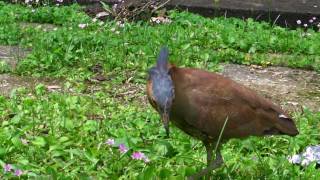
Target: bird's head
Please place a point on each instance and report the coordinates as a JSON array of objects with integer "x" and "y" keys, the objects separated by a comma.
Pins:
[{"x": 162, "y": 88}]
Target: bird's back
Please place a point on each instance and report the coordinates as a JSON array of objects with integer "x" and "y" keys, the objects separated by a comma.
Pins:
[{"x": 204, "y": 100}]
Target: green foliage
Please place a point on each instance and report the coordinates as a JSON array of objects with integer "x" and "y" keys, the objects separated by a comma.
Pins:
[
  {"x": 62, "y": 135},
  {"x": 66, "y": 139},
  {"x": 193, "y": 41}
]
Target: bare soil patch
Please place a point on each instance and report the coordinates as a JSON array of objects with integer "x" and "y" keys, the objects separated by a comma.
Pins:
[{"x": 290, "y": 88}]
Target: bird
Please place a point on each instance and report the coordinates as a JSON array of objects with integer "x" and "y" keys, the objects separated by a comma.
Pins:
[{"x": 211, "y": 108}]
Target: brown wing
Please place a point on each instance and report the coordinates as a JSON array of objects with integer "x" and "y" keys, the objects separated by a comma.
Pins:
[{"x": 204, "y": 100}]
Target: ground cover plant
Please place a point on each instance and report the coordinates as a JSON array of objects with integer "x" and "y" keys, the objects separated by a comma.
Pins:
[{"x": 83, "y": 132}]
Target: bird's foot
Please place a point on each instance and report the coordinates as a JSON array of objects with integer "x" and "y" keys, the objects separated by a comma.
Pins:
[{"x": 218, "y": 162}]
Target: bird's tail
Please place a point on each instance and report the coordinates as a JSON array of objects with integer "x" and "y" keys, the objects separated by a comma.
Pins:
[{"x": 162, "y": 61}]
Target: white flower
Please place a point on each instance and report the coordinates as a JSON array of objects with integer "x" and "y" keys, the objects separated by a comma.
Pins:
[
  {"x": 114, "y": 7},
  {"x": 305, "y": 162},
  {"x": 311, "y": 154},
  {"x": 305, "y": 25},
  {"x": 299, "y": 22},
  {"x": 120, "y": 24},
  {"x": 94, "y": 20},
  {"x": 102, "y": 14},
  {"x": 110, "y": 142},
  {"x": 82, "y": 26},
  {"x": 295, "y": 159},
  {"x": 100, "y": 23}
]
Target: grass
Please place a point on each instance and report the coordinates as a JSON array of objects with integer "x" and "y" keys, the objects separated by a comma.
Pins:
[{"x": 66, "y": 131}]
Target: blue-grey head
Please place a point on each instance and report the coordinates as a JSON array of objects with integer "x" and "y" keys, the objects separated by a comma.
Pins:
[{"x": 162, "y": 87}]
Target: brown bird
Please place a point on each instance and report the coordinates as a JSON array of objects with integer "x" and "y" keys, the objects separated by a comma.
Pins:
[{"x": 211, "y": 107}]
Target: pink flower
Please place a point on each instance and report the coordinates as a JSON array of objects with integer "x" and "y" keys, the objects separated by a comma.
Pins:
[
  {"x": 110, "y": 142},
  {"x": 122, "y": 148},
  {"x": 18, "y": 172},
  {"x": 7, "y": 167},
  {"x": 138, "y": 155}
]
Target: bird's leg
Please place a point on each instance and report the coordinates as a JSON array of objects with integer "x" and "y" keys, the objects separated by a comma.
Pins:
[
  {"x": 209, "y": 149},
  {"x": 212, "y": 164}
]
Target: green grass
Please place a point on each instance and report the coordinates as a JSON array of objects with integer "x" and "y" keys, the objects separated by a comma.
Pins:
[
  {"x": 66, "y": 135},
  {"x": 193, "y": 41},
  {"x": 66, "y": 131}
]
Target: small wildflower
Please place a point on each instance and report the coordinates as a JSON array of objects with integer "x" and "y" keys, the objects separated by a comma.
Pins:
[
  {"x": 7, "y": 167},
  {"x": 94, "y": 20},
  {"x": 100, "y": 23},
  {"x": 120, "y": 24},
  {"x": 113, "y": 29},
  {"x": 305, "y": 25},
  {"x": 295, "y": 159},
  {"x": 82, "y": 26},
  {"x": 314, "y": 18},
  {"x": 60, "y": 1},
  {"x": 299, "y": 22},
  {"x": 310, "y": 20},
  {"x": 138, "y": 155},
  {"x": 101, "y": 14},
  {"x": 24, "y": 141},
  {"x": 114, "y": 7},
  {"x": 33, "y": 10},
  {"x": 311, "y": 154},
  {"x": 110, "y": 142},
  {"x": 146, "y": 160},
  {"x": 122, "y": 148},
  {"x": 18, "y": 172},
  {"x": 305, "y": 162}
]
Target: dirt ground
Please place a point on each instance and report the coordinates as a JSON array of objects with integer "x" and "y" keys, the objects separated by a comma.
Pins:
[{"x": 290, "y": 88}]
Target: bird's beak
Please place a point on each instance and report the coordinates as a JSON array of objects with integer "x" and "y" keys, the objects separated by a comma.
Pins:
[{"x": 165, "y": 121}]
